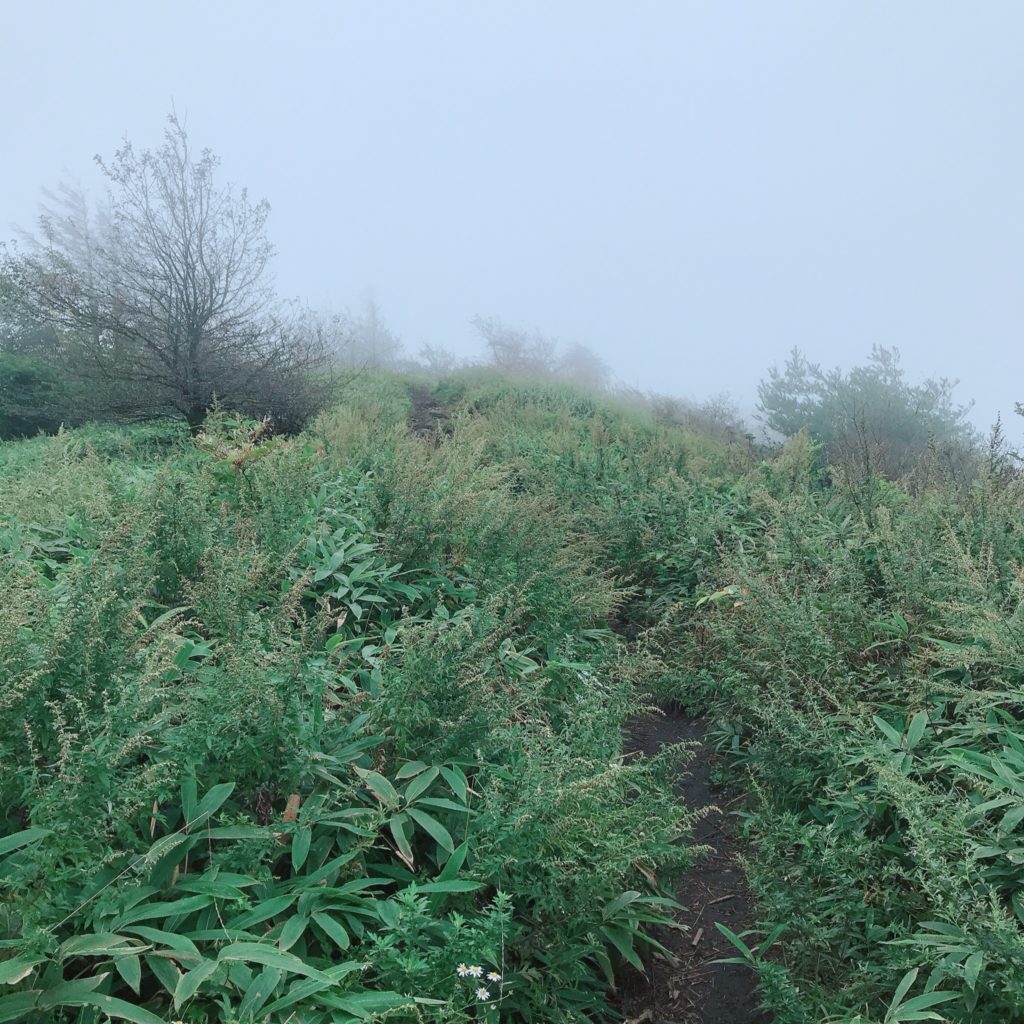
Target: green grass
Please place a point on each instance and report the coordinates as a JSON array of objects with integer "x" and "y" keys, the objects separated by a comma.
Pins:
[
  {"x": 292, "y": 728},
  {"x": 302, "y": 724},
  {"x": 862, "y": 652}
]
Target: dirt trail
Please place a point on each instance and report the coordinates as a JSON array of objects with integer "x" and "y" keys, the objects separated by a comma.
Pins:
[
  {"x": 427, "y": 415},
  {"x": 696, "y": 990}
]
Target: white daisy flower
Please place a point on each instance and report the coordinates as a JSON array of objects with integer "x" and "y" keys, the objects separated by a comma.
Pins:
[
  {"x": 482, "y": 994},
  {"x": 474, "y": 971},
  {"x": 462, "y": 971},
  {"x": 493, "y": 976}
]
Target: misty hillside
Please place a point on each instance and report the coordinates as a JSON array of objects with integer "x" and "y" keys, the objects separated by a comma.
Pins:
[
  {"x": 512, "y": 513},
  {"x": 342, "y": 726}
]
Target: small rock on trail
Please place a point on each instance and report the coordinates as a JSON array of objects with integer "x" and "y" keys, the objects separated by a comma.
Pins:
[{"x": 696, "y": 990}]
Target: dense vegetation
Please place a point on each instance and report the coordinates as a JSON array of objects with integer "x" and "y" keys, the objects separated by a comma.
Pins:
[
  {"x": 869, "y": 418},
  {"x": 862, "y": 651},
  {"x": 298, "y": 726},
  {"x": 307, "y": 728}
]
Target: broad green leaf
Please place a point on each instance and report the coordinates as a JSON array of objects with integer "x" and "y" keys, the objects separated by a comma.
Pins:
[
  {"x": 389, "y": 913},
  {"x": 300, "y": 847},
  {"x": 917, "y": 1008},
  {"x": 166, "y": 971},
  {"x": 304, "y": 989},
  {"x": 399, "y": 826},
  {"x": 13, "y": 971},
  {"x": 166, "y": 616},
  {"x": 165, "y": 844},
  {"x": 324, "y": 872},
  {"x": 421, "y": 784},
  {"x": 444, "y": 804},
  {"x": 454, "y": 863},
  {"x": 130, "y": 968},
  {"x": 259, "y": 992},
  {"x": 451, "y": 885},
  {"x": 890, "y": 733},
  {"x": 216, "y": 887},
  {"x": 457, "y": 780},
  {"x": 359, "y": 884},
  {"x": 189, "y": 983},
  {"x": 745, "y": 950},
  {"x": 20, "y": 839},
  {"x": 93, "y": 944},
  {"x": 602, "y": 959},
  {"x": 65, "y": 992},
  {"x": 915, "y": 730},
  {"x": 236, "y": 832},
  {"x": 170, "y": 939},
  {"x": 17, "y": 1005},
  {"x": 212, "y": 801},
  {"x": 152, "y": 911},
  {"x": 433, "y": 827},
  {"x": 902, "y": 989},
  {"x": 928, "y": 999},
  {"x": 221, "y": 934},
  {"x": 292, "y": 931},
  {"x": 262, "y": 911},
  {"x": 972, "y": 968},
  {"x": 1018, "y": 905},
  {"x": 622, "y": 940},
  {"x": 942, "y": 929},
  {"x": 269, "y": 956},
  {"x": 333, "y": 929},
  {"x": 82, "y": 993},
  {"x": 612, "y": 908},
  {"x": 379, "y": 786},
  {"x": 165, "y": 867},
  {"x": 368, "y": 1004},
  {"x": 113, "y": 1007},
  {"x": 770, "y": 938},
  {"x": 1012, "y": 818}
]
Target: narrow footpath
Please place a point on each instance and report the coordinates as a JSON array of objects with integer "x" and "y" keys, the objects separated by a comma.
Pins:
[
  {"x": 696, "y": 990},
  {"x": 426, "y": 414}
]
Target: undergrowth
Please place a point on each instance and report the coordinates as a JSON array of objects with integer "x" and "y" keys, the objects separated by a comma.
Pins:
[
  {"x": 323, "y": 728},
  {"x": 329, "y": 728},
  {"x": 860, "y": 645}
]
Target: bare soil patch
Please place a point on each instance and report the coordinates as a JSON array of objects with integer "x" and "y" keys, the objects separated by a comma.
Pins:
[
  {"x": 427, "y": 415},
  {"x": 696, "y": 990}
]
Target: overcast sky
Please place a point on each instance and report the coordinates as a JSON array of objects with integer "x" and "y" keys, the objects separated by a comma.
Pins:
[{"x": 689, "y": 188}]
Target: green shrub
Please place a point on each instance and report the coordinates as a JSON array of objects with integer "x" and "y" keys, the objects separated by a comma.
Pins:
[
  {"x": 863, "y": 660},
  {"x": 32, "y": 397},
  {"x": 270, "y": 702}
]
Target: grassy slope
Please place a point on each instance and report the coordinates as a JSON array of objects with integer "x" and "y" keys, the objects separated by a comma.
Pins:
[
  {"x": 863, "y": 651},
  {"x": 407, "y": 645},
  {"x": 367, "y": 622}
]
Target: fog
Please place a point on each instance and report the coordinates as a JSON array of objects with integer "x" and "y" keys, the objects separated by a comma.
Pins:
[{"x": 689, "y": 189}]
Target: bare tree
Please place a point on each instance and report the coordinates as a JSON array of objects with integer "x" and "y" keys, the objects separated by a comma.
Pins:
[
  {"x": 374, "y": 342},
  {"x": 436, "y": 359},
  {"x": 163, "y": 295},
  {"x": 716, "y": 417},
  {"x": 584, "y": 366},
  {"x": 516, "y": 351}
]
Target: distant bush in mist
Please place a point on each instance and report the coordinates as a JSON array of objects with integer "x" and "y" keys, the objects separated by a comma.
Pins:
[{"x": 869, "y": 419}]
